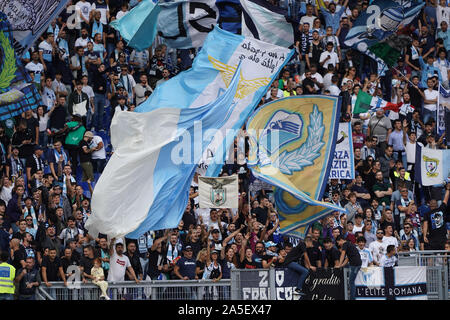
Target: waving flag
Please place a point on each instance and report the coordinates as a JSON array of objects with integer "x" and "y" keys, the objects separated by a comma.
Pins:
[
  {"x": 366, "y": 102},
  {"x": 296, "y": 215},
  {"x": 29, "y": 19},
  {"x": 138, "y": 27},
  {"x": 201, "y": 85},
  {"x": 185, "y": 24},
  {"x": 211, "y": 74},
  {"x": 292, "y": 143},
  {"x": 264, "y": 21},
  {"x": 17, "y": 91},
  {"x": 143, "y": 179},
  {"x": 434, "y": 166},
  {"x": 381, "y": 20}
]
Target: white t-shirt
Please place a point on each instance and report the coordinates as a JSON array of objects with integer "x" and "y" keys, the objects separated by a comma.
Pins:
[
  {"x": 385, "y": 261},
  {"x": 333, "y": 59},
  {"x": 99, "y": 154},
  {"x": 279, "y": 93},
  {"x": 366, "y": 257},
  {"x": 443, "y": 66},
  {"x": 327, "y": 81},
  {"x": 309, "y": 20},
  {"x": 37, "y": 68},
  {"x": 120, "y": 14},
  {"x": 80, "y": 42},
  {"x": 334, "y": 90},
  {"x": 103, "y": 11},
  {"x": 84, "y": 8},
  {"x": 117, "y": 267},
  {"x": 378, "y": 249},
  {"x": 47, "y": 50},
  {"x": 88, "y": 90},
  {"x": 430, "y": 95},
  {"x": 390, "y": 241}
]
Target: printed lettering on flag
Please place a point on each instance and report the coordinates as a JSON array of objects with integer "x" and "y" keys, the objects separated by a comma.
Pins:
[{"x": 343, "y": 166}]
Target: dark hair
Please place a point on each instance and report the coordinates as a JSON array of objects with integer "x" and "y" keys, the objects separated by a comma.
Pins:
[
  {"x": 361, "y": 239},
  {"x": 4, "y": 256},
  {"x": 390, "y": 248},
  {"x": 327, "y": 240},
  {"x": 339, "y": 238}
]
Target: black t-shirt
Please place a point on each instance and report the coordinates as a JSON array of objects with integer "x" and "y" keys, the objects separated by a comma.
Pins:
[
  {"x": 261, "y": 214},
  {"x": 354, "y": 258},
  {"x": 200, "y": 265},
  {"x": 87, "y": 264},
  {"x": 437, "y": 219},
  {"x": 249, "y": 264},
  {"x": 153, "y": 260},
  {"x": 331, "y": 256},
  {"x": 296, "y": 253},
  {"x": 196, "y": 246},
  {"x": 310, "y": 83},
  {"x": 84, "y": 157},
  {"x": 58, "y": 117},
  {"x": 314, "y": 255},
  {"x": 19, "y": 255},
  {"x": 35, "y": 163},
  {"x": 65, "y": 263},
  {"x": 268, "y": 258},
  {"x": 32, "y": 123},
  {"x": 52, "y": 268}
]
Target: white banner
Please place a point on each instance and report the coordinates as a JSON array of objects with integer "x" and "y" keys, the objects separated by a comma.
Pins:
[
  {"x": 219, "y": 192},
  {"x": 343, "y": 166},
  {"x": 398, "y": 283}
]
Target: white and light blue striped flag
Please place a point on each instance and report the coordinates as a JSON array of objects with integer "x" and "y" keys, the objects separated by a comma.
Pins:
[
  {"x": 264, "y": 21},
  {"x": 144, "y": 185},
  {"x": 123, "y": 200}
]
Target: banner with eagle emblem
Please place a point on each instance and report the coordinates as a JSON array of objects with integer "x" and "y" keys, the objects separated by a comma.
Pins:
[
  {"x": 292, "y": 142},
  {"x": 221, "y": 192}
]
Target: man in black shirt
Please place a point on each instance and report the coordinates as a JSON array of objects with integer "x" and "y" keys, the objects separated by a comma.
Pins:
[
  {"x": 34, "y": 163},
  {"x": 434, "y": 224},
  {"x": 291, "y": 261},
  {"x": 87, "y": 262},
  {"x": 58, "y": 119},
  {"x": 134, "y": 261},
  {"x": 52, "y": 269},
  {"x": 314, "y": 254},
  {"x": 332, "y": 254},
  {"x": 350, "y": 255},
  {"x": 23, "y": 140},
  {"x": 28, "y": 279}
]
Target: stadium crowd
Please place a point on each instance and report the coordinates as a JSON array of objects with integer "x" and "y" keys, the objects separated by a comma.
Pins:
[{"x": 51, "y": 157}]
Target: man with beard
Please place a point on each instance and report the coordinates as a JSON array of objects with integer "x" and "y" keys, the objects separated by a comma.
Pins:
[{"x": 435, "y": 224}]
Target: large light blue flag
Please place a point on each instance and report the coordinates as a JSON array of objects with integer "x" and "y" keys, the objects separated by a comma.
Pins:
[
  {"x": 138, "y": 27},
  {"x": 210, "y": 75},
  {"x": 145, "y": 185}
]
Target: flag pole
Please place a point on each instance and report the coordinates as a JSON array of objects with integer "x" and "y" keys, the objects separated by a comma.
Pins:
[{"x": 404, "y": 76}]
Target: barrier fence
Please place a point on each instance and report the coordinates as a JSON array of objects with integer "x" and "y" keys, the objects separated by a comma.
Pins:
[{"x": 254, "y": 284}]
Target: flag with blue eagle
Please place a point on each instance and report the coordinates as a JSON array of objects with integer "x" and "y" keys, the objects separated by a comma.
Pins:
[
  {"x": 292, "y": 142},
  {"x": 380, "y": 21}
]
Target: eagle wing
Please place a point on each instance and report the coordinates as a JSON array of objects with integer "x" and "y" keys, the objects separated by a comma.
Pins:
[{"x": 226, "y": 71}]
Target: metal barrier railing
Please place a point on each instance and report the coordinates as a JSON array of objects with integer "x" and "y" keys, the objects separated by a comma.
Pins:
[
  {"x": 146, "y": 290},
  {"x": 426, "y": 258}
]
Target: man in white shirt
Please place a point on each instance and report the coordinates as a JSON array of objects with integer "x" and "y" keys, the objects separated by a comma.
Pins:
[
  {"x": 48, "y": 95},
  {"x": 334, "y": 89},
  {"x": 430, "y": 101},
  {"x": 366, "y": 255},
  {"x": 83, "y": 9},
  {"x": 46, "y": 54},
  {"x": 35, "y": 66},
  {"x": 99, "y": 155},
  {"x": 141, "y": 88},
  {"x": 309, "y": 17},
  {"x": 389, "y": 260},
  {"x": 119, "y": 263},
  {"x": 388, "y": 238},
  {"x": 103, "y": 8},
  {"x": 90, "y": 93},
  {"x": 83, "y": 40},
  {"x": 377, "y": 248},
  {"x": 71, "y": 231},
  {"x": 58, "y": 87},
  {"x": 329, "y": 57},
  {"x": 315, "y": 76}
]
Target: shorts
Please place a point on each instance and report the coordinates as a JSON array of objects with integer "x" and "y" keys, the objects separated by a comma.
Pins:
[{"x": 88, "y": 171}]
